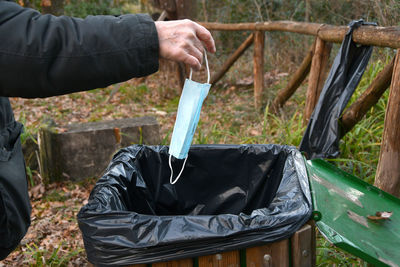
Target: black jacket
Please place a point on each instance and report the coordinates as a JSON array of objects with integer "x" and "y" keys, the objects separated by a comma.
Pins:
[{"x": 44, "y": 55}]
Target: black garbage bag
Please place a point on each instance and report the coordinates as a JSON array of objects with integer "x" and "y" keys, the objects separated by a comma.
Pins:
[
  {"x": 15, "y": 208},
  {"x": 321, "y": 139},
  {"x": 229, "y": 197}
]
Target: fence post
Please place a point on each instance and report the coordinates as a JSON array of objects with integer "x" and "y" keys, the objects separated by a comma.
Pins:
[
  {"x": 259, "y": 38},
  {"x": 388, "y": 171},
  {"x": 317, "y": 76}
]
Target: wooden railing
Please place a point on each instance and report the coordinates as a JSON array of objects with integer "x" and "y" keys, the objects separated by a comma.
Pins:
[
  {"x": 315, "y": 64},
  {"x": 367, "y": 35}
]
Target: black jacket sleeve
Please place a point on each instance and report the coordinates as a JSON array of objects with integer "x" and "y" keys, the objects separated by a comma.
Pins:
[{"x": 44, "y": 55}]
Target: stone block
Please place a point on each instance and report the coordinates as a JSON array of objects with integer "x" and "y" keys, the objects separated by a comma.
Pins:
[{"x": 79, "y": 151}]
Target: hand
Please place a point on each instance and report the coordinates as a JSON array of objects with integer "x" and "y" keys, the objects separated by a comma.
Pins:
[{"x": 182, "y": 40}]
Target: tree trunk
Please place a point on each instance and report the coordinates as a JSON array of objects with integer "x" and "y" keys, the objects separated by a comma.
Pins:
[
  {"x": 186, "y": 9},
  {"x": 258, "y": 60},
  {"x": 317, "y": 76},
  {"x": 388, "y": 171},
  {"x": 307, "y": 11}
]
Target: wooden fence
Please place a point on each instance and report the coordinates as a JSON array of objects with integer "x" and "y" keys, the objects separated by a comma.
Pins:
[{"x": 315, "y": 65}]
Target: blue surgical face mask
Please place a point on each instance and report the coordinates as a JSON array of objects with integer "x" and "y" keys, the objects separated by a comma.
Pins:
[{"x": 190, "y": 103}]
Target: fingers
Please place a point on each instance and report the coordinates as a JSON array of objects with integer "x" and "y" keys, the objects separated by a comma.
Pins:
[
  {"x": 201, "y": 36},
  {"x": 193, "y": 62},
  {"x": 198, "y": 50},
  {"x": 190, "y": 50},
  {"x": 205, "y": 36}
]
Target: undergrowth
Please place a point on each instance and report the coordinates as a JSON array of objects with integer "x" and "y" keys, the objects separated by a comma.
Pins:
[{"x": 53, "y": 257}]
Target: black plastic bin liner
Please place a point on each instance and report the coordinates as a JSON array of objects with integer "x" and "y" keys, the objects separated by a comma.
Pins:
[
  {"x": 323, "y": 133},
  {"x": 229, "y": 197}
]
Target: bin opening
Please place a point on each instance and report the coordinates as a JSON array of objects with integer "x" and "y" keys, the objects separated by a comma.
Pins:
[
  {"x": 229, "y": 197},
  {"x": 214, "y": 181}
]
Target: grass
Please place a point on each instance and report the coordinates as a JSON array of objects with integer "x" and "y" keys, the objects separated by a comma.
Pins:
[
  {"x": 53, "y": 257},
  {"x": 360, "y": 147},
  {"x": 328, "y": 255}
]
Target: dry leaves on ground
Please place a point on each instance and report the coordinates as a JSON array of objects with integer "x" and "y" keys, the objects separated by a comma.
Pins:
[{"x": 53, "y": 237}]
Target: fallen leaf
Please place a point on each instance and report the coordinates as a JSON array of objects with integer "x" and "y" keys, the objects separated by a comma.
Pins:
[
  {"x": 245, "y": 81},
  {"x": 255, "y": 132},
  {"x": 61, "y": 129},
  {"x": 384, "y": 215},
  {"x": 37, "y": 191}
]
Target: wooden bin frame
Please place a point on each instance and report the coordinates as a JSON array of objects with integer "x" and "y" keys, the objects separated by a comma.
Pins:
[{"x": 296, "y": 251}]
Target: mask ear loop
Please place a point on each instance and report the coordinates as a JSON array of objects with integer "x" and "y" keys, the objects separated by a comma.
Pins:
[
  {"x": 208, "y": 69},
  {"x": 172, "y": 170}
]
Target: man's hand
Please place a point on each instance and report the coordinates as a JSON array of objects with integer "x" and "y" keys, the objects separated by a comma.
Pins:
[{"x": 182, "y": 40}]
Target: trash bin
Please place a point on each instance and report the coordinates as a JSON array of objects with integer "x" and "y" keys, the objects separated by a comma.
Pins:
[{"x": 229, "y": 197}]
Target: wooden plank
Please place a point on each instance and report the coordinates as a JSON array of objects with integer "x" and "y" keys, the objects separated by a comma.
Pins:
[
  {"x": 134, "y": 265},
  {"x": 226, "y": 259},
  {"x": 177, "y": 263},
  {"x": 369, "y": 98},
  {"x": 317, "y": 76},
  {"x": 294, "y": 83},
  {"x": 232, "y": 59},
  {"x": 326, "y": 52},
  {"x": 258, "y": 58},
  {"x": 301, "y": 243},
  {"x": 290, "y": 26},
  {"x": 272, "y": 255},
  {"x": 313, "y": 243},
  {"x": 366, "y": 35},
  {"x": 388, "y": 171},
  {"x": 162, "y": 16}
]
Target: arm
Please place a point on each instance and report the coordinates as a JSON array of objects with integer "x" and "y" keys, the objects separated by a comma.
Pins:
[{"x": 44, "y": 55}]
